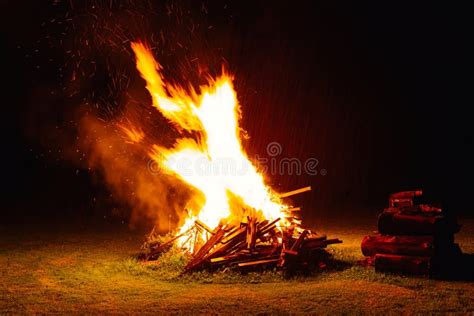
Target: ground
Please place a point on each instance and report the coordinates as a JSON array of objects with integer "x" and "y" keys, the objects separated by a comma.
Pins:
[{"x": 92, "y": 270}]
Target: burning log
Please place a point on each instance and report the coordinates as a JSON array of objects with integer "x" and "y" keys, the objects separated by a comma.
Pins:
[
  {"x": 203, "y": 226},
  {"x": 156, "y": 250},
  {"x": 267, "y": 228},
  {"x": 251, "y": 233},
  {"x": 201, "y": 254},
  {"x": 294, "y": 192},
  {"x": 254, "y": 244},
  {"x": 293, "y": 250},
  {"x": 297, "y": 245}
]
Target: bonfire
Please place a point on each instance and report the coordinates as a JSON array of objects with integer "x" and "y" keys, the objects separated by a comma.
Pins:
[{"x": 236, "y": 218}]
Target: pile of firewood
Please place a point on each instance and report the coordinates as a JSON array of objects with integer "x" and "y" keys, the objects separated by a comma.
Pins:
[
  {"x": 252, "y": 244},
  {"x": 412, "y": 239}
]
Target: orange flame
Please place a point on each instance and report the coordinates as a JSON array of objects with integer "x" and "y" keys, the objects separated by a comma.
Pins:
[
  {"x": 132, "y": 134},
  {"x": 214, "y": 115}
]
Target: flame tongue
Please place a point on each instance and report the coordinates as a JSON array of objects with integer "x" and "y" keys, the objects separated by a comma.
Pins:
[{"x": 216, "y": 165}]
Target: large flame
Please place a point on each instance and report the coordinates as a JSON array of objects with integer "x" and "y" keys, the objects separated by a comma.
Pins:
[{"x": 215, "y": 164}]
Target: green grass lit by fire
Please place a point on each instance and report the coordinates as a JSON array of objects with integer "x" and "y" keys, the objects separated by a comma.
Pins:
[{"x": 91, "y": 271}]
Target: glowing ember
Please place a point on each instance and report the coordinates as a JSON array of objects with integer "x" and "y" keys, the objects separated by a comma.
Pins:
[{"x": 213, "y": 115}]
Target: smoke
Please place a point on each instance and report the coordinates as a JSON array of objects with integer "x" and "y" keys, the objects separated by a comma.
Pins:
[
  {"x": 94, "y": 94},
  {"x": 130, "y": 175}
]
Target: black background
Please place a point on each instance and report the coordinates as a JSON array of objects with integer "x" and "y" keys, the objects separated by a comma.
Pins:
[{"x": 379, "y": 93}]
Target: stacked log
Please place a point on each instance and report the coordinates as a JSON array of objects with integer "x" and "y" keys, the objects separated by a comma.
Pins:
[
  {"x": 412, "y": 239},
  {"x": 256, "y": 244},
  {"x": 252, "y": 244}
]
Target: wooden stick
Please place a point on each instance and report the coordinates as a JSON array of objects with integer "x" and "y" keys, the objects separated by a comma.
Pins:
[
  {"x": 265, "y": 229},
  {"x": 253, "y": 263},
  {"x": 224, "y": 258},
  {"x": 296, "y": 246},
  {"x": 233, "y": 235},
  {"x": 204, "y": 226},
  {"x": 200, "y": 256},
  {"x": 251, "y": 233},
  {"x": 290, "y": 252},
  {"x": 293, "y": 209},
  {"x": 163, "y": 246},
  {"x": 213, "y": 253},
  {"x": 228, "y": 246},
  {"x": 294, "y": 192},
  {"x": 333, "y": 241}
]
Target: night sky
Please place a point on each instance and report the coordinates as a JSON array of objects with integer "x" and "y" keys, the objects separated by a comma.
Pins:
[{"x": 378, "y": 93}]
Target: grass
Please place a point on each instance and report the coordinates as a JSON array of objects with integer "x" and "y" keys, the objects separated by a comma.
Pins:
[{"x": 94, "y": 272}]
